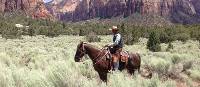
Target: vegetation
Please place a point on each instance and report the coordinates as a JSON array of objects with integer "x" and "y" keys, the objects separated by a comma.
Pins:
[
  {"x": 153, "y": 43},
  {"x": 30, "y": 57},
  {"x": 40, "y": 61},
  {"x": 131, "y": 32},
  {"x": 170, "y": 46},
  {"x": 92, "y": 37}
]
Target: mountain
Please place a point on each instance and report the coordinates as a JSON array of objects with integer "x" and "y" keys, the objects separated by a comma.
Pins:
[
  {"x": 63, "y": 9},
  {"x": 178, "y": 11},
  {"x": 33, "y": 8}
]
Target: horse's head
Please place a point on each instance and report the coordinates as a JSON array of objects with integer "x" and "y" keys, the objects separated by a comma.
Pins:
[{"x": 80, "y": 52}]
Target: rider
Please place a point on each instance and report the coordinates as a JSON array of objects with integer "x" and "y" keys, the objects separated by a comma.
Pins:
[{"x": 116, "y": 47}]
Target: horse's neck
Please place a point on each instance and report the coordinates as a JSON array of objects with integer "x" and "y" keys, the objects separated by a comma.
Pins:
[{"x": 91, "y": 51}]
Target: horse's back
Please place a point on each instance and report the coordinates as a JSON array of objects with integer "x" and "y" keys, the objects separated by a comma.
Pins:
[{"x": 135, "y": 59}]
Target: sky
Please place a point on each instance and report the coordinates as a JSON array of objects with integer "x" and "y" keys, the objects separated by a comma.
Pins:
[{"x": 47, "y": 1}]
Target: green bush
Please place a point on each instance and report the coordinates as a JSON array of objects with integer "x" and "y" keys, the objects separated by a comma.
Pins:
[
  {"x": 182, "y": 37},
  {"x": 92, "y": 37},
  {"x": 170, "y": 46},
  {"x": 53, "y": 31},
  {"x": 195, "y": 74},
  {"x": 31, "y": 32},
  {"x": 136, "y": 35},
  {"x": 164, "y": 38},
  {"x": 198, "y": 38},
  {"x": 175, "y": 59},
  {"x": 12, "y": 33},
  {"x": 162, "y": 68},
  {"x": 153, "y": 43},
  {"x": 129, "y": 35}
]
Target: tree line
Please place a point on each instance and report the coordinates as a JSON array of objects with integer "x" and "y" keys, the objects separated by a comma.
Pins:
[{"x": 130, "y": 32}]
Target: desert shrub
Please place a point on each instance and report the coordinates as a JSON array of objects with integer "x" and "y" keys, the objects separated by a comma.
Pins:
[
  {"x": 194, "y": 31},
  {"x": 154, "y": 82},
  {"x": 136, "y": 34},
  {"x": 153, "y": 43},
  {"x": 52, "y": 32},
  {"x": 130, "y": 35},
  {"x": 92, "y": 37},
  {"x": 169, "y": 47},
  {"x": 169, "y": 35},
  {"x": 187, "y": 64},
  {"x": 175, "y": 59},
  {"x": 31, "y": 32},
  {"x": 198, "y": 38},
  {"x": 164, "y": 38},
  {"x": 11, "y": 32},
  {"x": 127, "y": 37},
  {"x": 182, "y": 37},
  {"x": 195, "y": 74},
  {"x": 162, "y": 69},
  {"x": 81, "y": 32}
]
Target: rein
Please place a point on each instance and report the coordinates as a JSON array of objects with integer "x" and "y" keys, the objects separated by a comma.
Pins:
[
  {"x": 99, "y": 55},
  {"x": 83, "y": 51},
  {"x": 101, "y": 58}
]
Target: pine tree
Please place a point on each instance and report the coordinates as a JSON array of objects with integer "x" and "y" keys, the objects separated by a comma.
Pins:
[{"x": 153, "y": 43}]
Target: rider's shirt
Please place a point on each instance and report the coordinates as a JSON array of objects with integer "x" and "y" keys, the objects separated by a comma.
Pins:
[{"x": 117, "y": 40}]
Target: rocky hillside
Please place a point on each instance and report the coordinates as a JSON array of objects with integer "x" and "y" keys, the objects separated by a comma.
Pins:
[
  {"x": 33, "y": 8},
  {"x": 181, "y": 11},
  {"x": 178, "y": 11}
]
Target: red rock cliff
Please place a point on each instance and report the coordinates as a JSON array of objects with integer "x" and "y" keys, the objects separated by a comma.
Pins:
[
  {"x": 34, "y": 8},
  {"x": 86, "y": 9}
]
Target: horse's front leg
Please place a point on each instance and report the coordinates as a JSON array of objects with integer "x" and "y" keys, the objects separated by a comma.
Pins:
[{"x": 103, "y": 76}]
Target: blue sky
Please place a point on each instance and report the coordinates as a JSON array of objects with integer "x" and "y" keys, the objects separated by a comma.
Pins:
[{"x": 47, "y": 0}]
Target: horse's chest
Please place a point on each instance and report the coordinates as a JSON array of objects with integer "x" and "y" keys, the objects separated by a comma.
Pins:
[{"x": 101, "y": 66}]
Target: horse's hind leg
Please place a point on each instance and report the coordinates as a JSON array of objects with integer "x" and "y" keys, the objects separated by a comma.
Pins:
[
  {"x": 131, "y": 71},
  {"x": 139, "y": 69},
  {"x": 121, "y": 66},
  {"x": 103, "y": 76}
]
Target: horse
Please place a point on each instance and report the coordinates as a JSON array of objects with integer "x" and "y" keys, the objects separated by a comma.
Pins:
[{"x": 100, "y": 62}]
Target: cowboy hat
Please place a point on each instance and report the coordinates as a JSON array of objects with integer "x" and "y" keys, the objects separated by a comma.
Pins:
[{"x": 113, "y": 28}]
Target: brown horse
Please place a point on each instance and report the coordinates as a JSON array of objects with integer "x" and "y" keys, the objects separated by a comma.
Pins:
[{"x": 100, "y": 62}]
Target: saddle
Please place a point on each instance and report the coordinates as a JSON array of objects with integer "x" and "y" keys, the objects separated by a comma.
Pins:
[{"x": 124, "y": 56}]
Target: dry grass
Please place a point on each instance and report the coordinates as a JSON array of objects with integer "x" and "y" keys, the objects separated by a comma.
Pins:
[{"x": 49, "y": 62}]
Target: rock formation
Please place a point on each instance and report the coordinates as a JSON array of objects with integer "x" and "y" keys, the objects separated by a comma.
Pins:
[
  {"x": 33, "y": 8},
  {"x": 181, "y": 11},
  {"x": 77, "y": 10}
]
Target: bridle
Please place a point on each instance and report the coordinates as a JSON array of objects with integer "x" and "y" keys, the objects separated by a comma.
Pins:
[{"x": 83, "y": 52}]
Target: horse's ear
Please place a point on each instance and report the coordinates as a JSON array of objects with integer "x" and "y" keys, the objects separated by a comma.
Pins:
[{"x": 81, "y": 43}]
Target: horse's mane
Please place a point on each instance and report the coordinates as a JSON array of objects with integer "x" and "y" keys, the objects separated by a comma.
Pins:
[{"x": 91, "y": 45}]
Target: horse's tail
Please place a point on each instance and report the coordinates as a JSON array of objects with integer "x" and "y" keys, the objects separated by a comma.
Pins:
[{"x": 139, "y": 58}]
